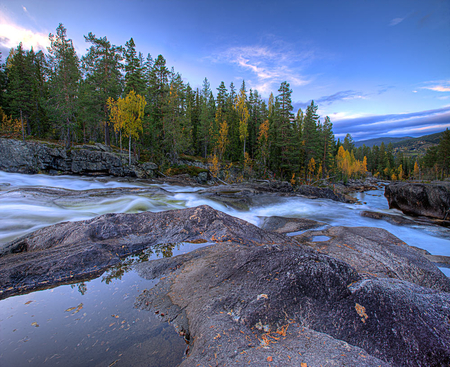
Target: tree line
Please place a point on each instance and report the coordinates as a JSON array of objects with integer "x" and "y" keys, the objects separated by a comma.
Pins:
[{"x": 114, "y": 95}]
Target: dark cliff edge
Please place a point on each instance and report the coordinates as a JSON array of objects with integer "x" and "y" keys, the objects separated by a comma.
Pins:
[{"x": 35, "y": 157}]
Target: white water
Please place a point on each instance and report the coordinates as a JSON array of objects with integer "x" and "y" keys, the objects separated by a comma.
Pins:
[{"x": 21, "y": 212}]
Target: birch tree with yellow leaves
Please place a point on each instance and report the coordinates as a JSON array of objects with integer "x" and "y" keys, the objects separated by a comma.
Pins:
[{"x": 126, "y": 115}]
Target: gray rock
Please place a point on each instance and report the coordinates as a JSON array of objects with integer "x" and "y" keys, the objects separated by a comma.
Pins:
[
  {"x": 73, "y": 250},
  {"x": 431, "y": 200},
  {"x": 98, "y": 159},
  {"x": 246, "y": 305},
  {"x": 374, "y": 252},
  {"x": 288, "y": 225}
]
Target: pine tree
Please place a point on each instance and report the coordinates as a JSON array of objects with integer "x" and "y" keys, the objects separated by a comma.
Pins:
[
  {"x": 243, "y": 115},
  {"x": 103, "y": 80},
  {"x": 443, "y": 159},
  {"x": 64, "y": 77},
  {"x": 327, "y": 146},
  {"x": 20, "y": 88},
  {"x": 134, "y": 69},
  {"x": 311, "y": 138}
]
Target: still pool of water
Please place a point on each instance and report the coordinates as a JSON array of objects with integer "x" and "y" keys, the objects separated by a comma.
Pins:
[{"x": 91, "y": 323}]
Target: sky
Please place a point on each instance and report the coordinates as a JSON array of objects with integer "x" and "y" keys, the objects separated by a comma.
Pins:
[{"x": 375, "y": 67}]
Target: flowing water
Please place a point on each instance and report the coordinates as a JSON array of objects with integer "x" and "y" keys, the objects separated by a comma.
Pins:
[{"x": 94, "y": 322}]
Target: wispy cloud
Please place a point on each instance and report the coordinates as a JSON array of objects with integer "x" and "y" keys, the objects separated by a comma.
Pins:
[
  {"x": 269, "y": 65},
  {"x": 396, "y": 21},
  {"x": 12, "y": 34},
  {"x": 343, "y": 95},
  {"x": 438, "y": 86},
  {"x": 372, "y": 126}
]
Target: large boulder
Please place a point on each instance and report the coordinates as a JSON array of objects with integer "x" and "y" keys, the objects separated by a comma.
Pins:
[
  {"x": 74, "y": 250},
  {"x": 282, "y": 305},
  {"x": 431, "y": 200}
]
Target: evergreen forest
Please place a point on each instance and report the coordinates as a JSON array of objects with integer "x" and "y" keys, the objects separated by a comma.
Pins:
[{"x": 117, "y": 96}]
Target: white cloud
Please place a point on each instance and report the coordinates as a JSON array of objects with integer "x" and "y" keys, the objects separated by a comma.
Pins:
[
  {"x": 396, "y": 21},
  {"x": 268, "y": 65},
  {"x": 12, "y": 34},
  {"x": 24, "y": 9}
]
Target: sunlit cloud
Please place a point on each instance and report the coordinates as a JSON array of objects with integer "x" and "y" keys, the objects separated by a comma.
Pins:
[
  {"x": 12, "y": 34},
  {"x": 440, "y": 86},
  {"x": 268, "y": 65}
]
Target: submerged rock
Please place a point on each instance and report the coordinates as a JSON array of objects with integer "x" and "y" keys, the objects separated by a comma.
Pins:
[{"x": 431, "y": 200}]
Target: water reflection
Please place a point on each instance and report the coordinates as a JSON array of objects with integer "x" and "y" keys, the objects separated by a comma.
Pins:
[{"x": 91, "y": 323}]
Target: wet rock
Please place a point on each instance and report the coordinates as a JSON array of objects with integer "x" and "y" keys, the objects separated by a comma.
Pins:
[
  {"x": 374, "y": 252},
  {"x": 72, "y": 250},
  {"x": 288, "y": 225},
  {"x": 250, "y": 305},
  {"x": 391, "y": 218},
  {"x": 314, "y": 192},
  {"x": 431, "y": 200}
]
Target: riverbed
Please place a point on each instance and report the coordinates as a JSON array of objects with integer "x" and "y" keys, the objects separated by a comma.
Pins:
[{"x": 94, "y": 322}]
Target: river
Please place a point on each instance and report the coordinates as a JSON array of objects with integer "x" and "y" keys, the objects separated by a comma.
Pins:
[{"x": 94, "y": 322}]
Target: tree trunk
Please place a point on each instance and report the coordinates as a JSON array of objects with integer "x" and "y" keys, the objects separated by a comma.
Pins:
[
  {"x": 23, "y": 130},
  {"x": 129, "y": 151}
]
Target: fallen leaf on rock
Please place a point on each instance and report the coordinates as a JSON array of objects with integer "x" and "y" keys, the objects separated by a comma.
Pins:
[
  {"x": 269, "y": 359},
  {"x": 27, "y": 303},
  {"x": 35, "y": 324}
]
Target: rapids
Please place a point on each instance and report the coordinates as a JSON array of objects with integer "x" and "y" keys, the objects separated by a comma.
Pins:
[{"x": 22, "y": 213}]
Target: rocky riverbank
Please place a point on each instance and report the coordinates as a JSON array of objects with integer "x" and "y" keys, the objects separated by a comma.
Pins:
[
  {"x": 354, "y": 296},
  {"x": 98, "y": 159}
]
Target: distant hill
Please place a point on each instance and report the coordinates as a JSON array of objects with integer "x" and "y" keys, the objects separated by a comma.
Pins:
[
  {"x": 377, "y": 141},
  {"x": 406, "y": 144}
]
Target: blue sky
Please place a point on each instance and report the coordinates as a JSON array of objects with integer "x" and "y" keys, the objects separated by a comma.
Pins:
[{"x": 376, "y": 67}]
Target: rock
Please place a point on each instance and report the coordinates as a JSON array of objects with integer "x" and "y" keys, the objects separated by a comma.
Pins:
[
  {"x": 314, "y": 192},
  {"x": 73, "y": 250},
  {"x": 391, "y": 218},
  {"x": 98, "y": 159},
  {"x": 288, "y": 225},
  {"x": 255, "y": 296},
  {"x": 374, "y": 252},
  {"x": 431, "y": 200},
  {"x": 202, "y": 178},
  {"x": 247, "y": 305}
]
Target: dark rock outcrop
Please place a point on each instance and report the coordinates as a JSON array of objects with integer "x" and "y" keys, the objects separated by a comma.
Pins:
[
  {"x": 73, "y": 250},
  {"x": 374, "y": 252},
  {"x": 98, "y": 159},
  {"x": 247, "y": 305},
  {"x": 431, "y": 200}
]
